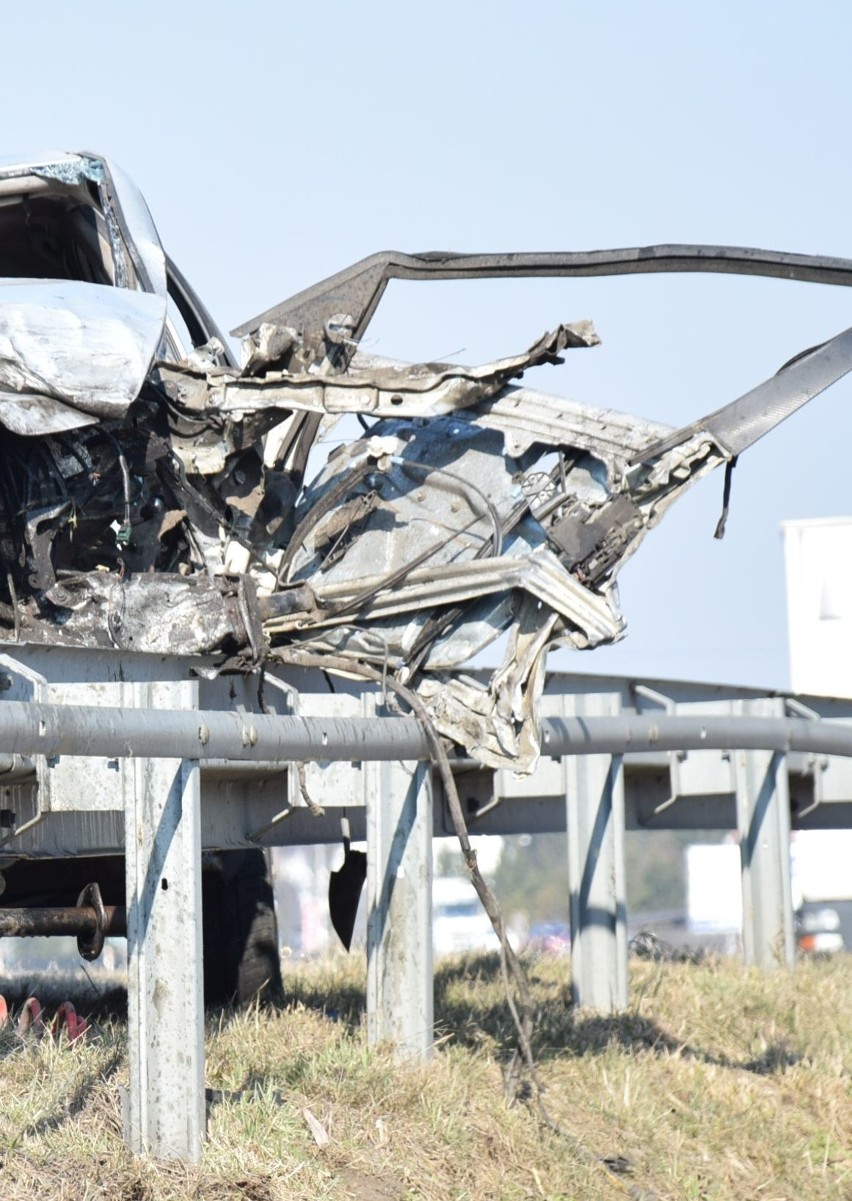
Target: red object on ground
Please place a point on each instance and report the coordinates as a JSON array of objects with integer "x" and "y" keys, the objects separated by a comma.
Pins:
[
  {"x": 67, "y": 1016},
  {"x": 30, "y": 1017}
]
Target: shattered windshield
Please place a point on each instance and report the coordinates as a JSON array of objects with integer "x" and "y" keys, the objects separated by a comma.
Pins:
[{"x": 54, "y": 237}]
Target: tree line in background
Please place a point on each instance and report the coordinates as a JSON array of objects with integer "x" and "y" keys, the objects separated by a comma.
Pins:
[{"x": 531, "y": 877}]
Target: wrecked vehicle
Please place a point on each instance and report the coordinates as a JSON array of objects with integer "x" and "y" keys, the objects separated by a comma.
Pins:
[
  {"x": 154, "y": 494},
  {"x": 145, "y": 473}
]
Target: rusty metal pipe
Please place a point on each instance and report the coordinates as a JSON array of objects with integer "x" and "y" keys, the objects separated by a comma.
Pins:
[{"x": 70, "y": 920}]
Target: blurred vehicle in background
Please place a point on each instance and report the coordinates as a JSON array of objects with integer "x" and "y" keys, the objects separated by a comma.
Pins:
[
  {"x": 459, "y": 923},
  {"x": 822, "y": 890},
  {"x": 550, "y": 938}
]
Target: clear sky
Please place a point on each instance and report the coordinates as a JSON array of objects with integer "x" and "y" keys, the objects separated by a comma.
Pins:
[{"x": 277, "y": 143}]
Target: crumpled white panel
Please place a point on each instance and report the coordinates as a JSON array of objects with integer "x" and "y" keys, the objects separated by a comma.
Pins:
[{"x": 85, "y": 345}]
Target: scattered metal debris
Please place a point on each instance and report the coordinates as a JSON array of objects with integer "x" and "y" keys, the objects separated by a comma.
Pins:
[
  {"x": 153, "y": 494},
  {"x": 647, "y": 945}
]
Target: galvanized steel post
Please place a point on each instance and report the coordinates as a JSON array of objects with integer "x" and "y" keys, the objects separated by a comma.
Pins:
[
  {"x": 763, "y": 821},
  {"x": 400, "y": 988},
  {"x": 166, "y": 1110},
  {"x": 594, "y": 786}
]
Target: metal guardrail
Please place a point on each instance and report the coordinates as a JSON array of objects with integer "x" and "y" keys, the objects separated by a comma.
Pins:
[
  {"x": 31, "y": 728},
  {"x": 148, "y": 754}
]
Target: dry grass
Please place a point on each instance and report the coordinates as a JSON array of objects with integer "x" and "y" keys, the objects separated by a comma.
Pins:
[{"x": 717, "y": 1083}]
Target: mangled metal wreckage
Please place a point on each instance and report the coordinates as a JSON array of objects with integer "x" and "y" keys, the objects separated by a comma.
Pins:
[{"x": 153, "y": 495}]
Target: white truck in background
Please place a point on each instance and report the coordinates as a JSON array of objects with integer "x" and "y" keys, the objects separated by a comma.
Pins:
[
  {"x": 459, "y": 923},
  {"x": 818, "y": 563},
  {"x": 822, "y": 890},
  {"x": 821, "y": 871}
]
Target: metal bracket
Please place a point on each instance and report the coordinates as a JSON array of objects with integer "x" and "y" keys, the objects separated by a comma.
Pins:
[
  {"x": 91, "y": 943},
  {"x": 675, "y": 758},
  {"x": 20, "y": 683},
  {"x": 816, "y": 765}
]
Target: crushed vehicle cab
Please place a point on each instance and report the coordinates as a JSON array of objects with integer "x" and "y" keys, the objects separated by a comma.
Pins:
[
  {"x": 153, "y": 493},
  {"x": 92, "y": 487},
  {"x": 88, "y": 303}
]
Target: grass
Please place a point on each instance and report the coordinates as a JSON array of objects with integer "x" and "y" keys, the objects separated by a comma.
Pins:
[{"x": 716, "y": 1083}]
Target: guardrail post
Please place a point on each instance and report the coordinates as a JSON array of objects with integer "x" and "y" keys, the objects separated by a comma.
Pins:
[
  {"x": 594, "y": 786},
  {"x": 400, "y": 987},
  {"x": 763, "y": 822},
  {"x": 166, "y": 1106}
]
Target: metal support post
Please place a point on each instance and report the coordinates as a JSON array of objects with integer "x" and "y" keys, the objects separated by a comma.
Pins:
[
  {"x": 594, "y": 786},
  {"x": 400, "y": 987},
  {"x": 763, "y": 821},
  {"x": 166, "y": 1109}
]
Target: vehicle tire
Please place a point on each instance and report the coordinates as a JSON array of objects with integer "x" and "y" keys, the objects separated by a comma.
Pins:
[{"x": 241, "y": 958}]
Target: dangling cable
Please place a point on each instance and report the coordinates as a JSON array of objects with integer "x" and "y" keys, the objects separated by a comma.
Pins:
[{"x": 726, "y": 498}]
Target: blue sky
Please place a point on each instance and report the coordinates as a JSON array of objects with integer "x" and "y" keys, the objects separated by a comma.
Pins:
[{"x": 278, "y": 143}]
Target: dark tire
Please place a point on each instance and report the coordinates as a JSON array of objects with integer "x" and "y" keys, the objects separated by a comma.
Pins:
[{"x": 241, "y": 958}]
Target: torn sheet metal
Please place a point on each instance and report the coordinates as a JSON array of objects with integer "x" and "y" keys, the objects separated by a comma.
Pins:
[
  {"x": 380, "y": 389},
  {"x": 154, "y": 614},
  {"x": 154, "y": 496}
]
